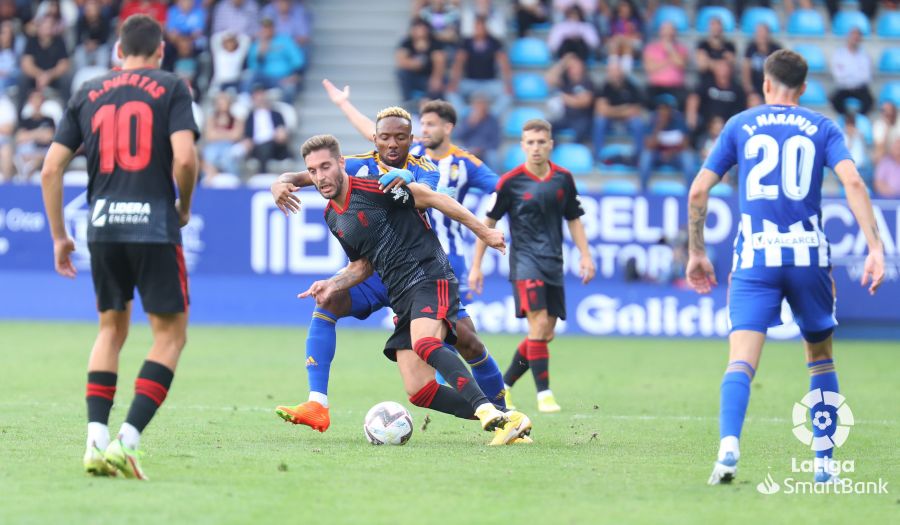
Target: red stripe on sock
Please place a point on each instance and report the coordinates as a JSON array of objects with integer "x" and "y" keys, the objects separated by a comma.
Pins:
[
  {"x": 104, "y": 391},
  {"x": 425, "y": 396},
  {"x": 538, "y": 350},
  {"x": 522, "y": 349},
  {"x": 423, "y": 347},
  {"x": 151, "y": 389}
]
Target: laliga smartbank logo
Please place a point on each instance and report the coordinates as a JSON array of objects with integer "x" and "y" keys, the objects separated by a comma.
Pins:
[{"x": 821, "y": 421}]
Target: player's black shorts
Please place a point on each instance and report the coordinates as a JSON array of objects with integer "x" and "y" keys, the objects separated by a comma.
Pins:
[
  {"x": 432, "y": 299},
  {"x": 533, "y": 294},
  {"x": 156, "y": 269}
]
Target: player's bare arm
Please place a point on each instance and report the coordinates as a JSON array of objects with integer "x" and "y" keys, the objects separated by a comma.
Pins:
[
  {"x": 352, "y": 274},
  {"x": 476, "y": 278},
  {"x": 701, "y": 275},
  {"x": 284, "y": 187},
  {"x": 58, "y": 157},
  {"x": 861, "y": 206},
  {"x": 185, "y": 168},
  {"x": 425, "y": 197},
  {"x": 587, "y": 268},
  {"x": 341, "y": 98}
]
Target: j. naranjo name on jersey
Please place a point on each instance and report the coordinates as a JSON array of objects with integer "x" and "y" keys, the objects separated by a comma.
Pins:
[
  {"x": 783, "y": 119},
  {"x": 129, "y": 79},
  {"x": 120, "y": 213}
]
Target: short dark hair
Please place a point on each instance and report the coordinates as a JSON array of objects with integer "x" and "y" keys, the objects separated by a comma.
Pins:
[
  {"x": 141, "y": 36},
  {"x": 320, "y": 142},
  {"x": 443, "y": 109},
  {"x": 786, "y": 67},
  {"x": 537, "y": 124}
]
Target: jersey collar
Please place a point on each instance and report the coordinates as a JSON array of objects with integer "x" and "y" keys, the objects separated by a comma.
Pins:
[
  {"x": 535, "y": 177},
  {"x": 377, "y": 158}
]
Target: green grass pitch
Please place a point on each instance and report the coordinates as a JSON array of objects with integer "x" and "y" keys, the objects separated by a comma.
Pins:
[{"x": 634, "y": 444}]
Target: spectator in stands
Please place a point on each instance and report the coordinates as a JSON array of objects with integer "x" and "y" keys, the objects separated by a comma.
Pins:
[
  {"x": 443, "y": 17},
  {"x": 8, "y": 121},
  {"x": 33, "y": 136},
  {"x": 265, "y": 135},
  {"x": 494, "y": 16},
  {"x": 569, "y": 76},
  {"x": 713, "y": 130},
  {"x": 51, "y": 9},
  {"x": 45, "y": 63},
  {"x": 667, "y": 143},
  {"x": 9, "y": 62},
  {"x": 238, "y": 16},
  {"x": 868, "y": 7},
  {"x": 851, "y": 69},
  {"x": 229, "y": 49},
  {"x": 275, "y": 61},
  {"x": 479, "y": 132},
  {"x": 92, "y": 35},
  {"x": 715, "y": 47},
  {"x": 481, "y": 65},
  {"x": 755, "y": 56},
  {"x": 665, "y": 61},
  {"x": 153, "y": 8},
  {"x": 720, "y": 96},
  {"x": 421, "y": 63},
  {"x": 625, "y": 35},
  {"x": 885, "y": 128},
  {"x": 186, "y": 25},
  {"x": 222, "y": 133},
  {"x": 619, "y": 101},
  {"x": 574, "y": 34},
  {"x": 291, "y": 19},
  {"x": 887, "y": 173},
  {"x": 16, "y": 11},
  {"x": 856, "y": 145},
  {"x": 186, "y": 64},
  {"x": 530, "y": 13}
]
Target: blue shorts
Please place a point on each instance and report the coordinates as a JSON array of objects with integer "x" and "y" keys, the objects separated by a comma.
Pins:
[
  {"x": 371, "y": 295},
  {"x": 755, "y": 296}
]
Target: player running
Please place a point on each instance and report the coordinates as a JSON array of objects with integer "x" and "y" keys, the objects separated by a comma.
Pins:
[
  {"x": 780, "y": 252},
  {"x": 138, "y": 132},
  {"x": 383, "y": 231},
  {"x": 537, "y": 195}
]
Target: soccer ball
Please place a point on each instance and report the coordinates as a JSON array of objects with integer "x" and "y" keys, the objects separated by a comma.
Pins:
[{"x": 388, "y": 423}]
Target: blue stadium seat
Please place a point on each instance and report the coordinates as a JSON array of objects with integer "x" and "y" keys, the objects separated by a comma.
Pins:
[
  {"x": 708, "y": 13},
  {"x": 759, "y": 15},
  {"x": 530, "y": 86},
  {"x": 574, "y": 157},
  {"x": 888, "y": 25},
  {"x": 512, "y": 128},
  {"x": 814, "y": 55},
  {"x": 806, "y": 22},
  {"x": 513, "y": 157},
  {"x": 845, "y": 20},
  {"x": 620, "y": 187},
  {"x": 530, "y": 52},
  {"x": 674, "y": 188},
  {"x": 613, "y": 151},
  {"x": 863, "y": 124},
  {"x": 673, "y": 14},
  {"x": 890, "y": 60},
  {"x": 722, "y": 190},
  {"x": 814, "y": 95},
  {"x": 890, "y": 93}
]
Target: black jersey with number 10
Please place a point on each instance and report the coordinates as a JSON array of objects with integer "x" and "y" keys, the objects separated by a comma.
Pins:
[{"x": 125, "y": 120}]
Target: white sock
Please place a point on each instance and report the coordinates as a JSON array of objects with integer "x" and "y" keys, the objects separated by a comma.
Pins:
[
  {"x": 130, "y": 436},
  {"x": 319, "y": 398},
  {"x": 479, "y": 407},
  {"x": 544, "y": 394},
  {"x": 97, "y": 435},
  {"x": 506, "y": 387},
  {"x": 729, "y": 444}
]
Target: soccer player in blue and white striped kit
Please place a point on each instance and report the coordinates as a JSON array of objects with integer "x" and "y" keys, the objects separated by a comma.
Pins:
[{"x": 781, "y": 150}]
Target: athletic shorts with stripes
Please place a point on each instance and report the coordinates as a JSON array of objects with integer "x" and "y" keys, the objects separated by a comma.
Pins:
[{"x": 432, "y": 299}]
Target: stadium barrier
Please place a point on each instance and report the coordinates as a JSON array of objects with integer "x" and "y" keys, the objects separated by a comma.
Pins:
[{"x": 247, "y": 262}]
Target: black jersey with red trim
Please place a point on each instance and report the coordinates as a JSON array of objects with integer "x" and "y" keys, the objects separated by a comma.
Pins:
[
  {"x": 125, "y": 120},
  {"x": 536, "y": 209},
  {"x": 388, "y": 230}
]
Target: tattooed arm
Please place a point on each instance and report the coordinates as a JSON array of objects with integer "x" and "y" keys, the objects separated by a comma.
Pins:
[
  {"x": 861, "y": 206},
  {"x": 700, "y": 273},
  {"x": 354, "y": 273}
]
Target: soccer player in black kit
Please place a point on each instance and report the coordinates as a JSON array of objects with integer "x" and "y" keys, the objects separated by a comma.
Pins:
[
  {"x": 383, "y": 231},
  {"x": 139, "y": 134},
  {"x": 537, "y": 195}
]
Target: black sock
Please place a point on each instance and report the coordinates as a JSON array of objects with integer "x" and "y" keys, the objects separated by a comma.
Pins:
[
  {"x": 539, "y": 361},
  {"x": 446, "y": 361},
  {"x": 443, "y": 399},
  {"x": 101, "y": 389},
  {"x": 150, "y": 390},
  {"x": 519, "y": 364}
]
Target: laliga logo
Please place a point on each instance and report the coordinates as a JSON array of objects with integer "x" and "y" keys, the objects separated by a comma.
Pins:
[{"x": 825, "y": 403}]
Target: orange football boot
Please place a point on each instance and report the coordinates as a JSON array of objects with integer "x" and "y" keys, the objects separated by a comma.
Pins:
[{"x": 310, "y": 413}]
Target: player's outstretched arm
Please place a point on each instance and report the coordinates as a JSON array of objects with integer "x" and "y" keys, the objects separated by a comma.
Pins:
[
  {"x": 185, "y": 167},
  {"x": 341, "y": 98},
  {"x": 861, "y": 206},
  {"x": 354, "y": 273},
  {"x": 587, "y": 267},
  {"x": 58, "y": 157},
  {"x": 476, "y": 277},
  {"x": 425, "y": 197},
  {"x": 284, "y": 187},
  {"x": 701, "y": 275}
]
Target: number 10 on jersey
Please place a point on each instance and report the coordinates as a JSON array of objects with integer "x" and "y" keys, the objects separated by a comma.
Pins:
[{"x": 126, "y": 136}]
